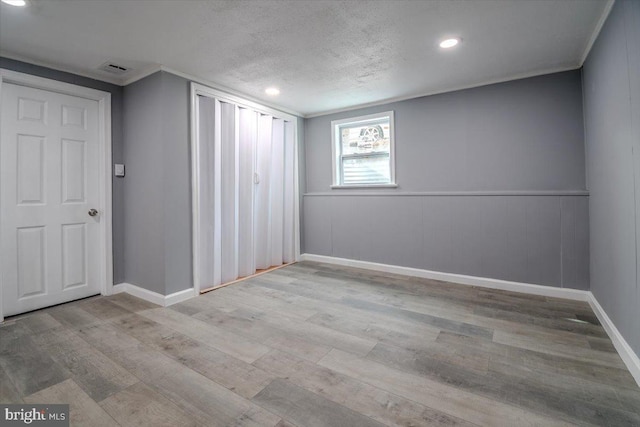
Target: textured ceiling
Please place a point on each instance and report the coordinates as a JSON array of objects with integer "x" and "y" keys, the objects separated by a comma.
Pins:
[{"x": 323, "y": 55}]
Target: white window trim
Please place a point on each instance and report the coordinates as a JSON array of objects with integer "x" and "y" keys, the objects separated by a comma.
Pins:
[
  {"x": 335, "y": 158},
  {"x": 344, "y": 187}
]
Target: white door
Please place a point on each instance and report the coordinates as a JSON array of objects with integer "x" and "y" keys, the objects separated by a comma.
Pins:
[{"x": 49, "y": 185}]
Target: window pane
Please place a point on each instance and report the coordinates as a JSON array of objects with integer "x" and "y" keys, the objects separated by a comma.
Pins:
[
  {"x": 363, "y": 150},
  {"x": 372, "y": 137},
  {"x": 369, "y": 170}
]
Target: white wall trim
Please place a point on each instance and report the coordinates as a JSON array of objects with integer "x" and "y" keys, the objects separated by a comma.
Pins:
[
  {"x": 372, "y": 192},
  {"x": 104, "y": 130},
  {"x": 624, "y": 349},
  {"x": 528, "y": 288},
  {"x": 63, "y": 68},
  {"x": 596, "y": 31},
  {"x": 37, "y": 82},
  {"x": 154, "y": 297},
  {"x": 520, "y": 76},
  {"x": 139, "y": 75},
  {"x": 194, "y": 124},
  {"x": 155, "y": 68},
  {"x": 179, "y": 296},
  {"x": 145, "y": 72}
]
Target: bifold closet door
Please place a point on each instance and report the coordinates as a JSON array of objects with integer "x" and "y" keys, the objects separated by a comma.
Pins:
[{"x": 246, "y": 175}]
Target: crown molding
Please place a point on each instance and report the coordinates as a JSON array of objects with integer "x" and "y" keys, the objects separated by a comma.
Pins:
[
  {"x": 596, "y": 31},
  {"x": 58, "y": 67},
  {"x": 229, "y": 91},
  {"x": 447, "y": 90}
]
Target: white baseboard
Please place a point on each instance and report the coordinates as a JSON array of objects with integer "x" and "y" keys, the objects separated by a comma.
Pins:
[
  {"x": 179, "y": 296},
  {"x": 624, "y": 349},
  {"x": 629, "y": 357},
  {"x": 154, "y": 297},
  {"x": 528, "y": 288}
]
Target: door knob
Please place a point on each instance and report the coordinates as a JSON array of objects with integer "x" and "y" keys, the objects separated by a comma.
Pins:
[{"x": 93, "y": 212}]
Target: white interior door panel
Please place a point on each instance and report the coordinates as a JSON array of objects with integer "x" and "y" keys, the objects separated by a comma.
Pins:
[{"x": 49, "y": 185}]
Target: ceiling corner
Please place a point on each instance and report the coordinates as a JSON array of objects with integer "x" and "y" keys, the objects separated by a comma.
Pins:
[
  {"x": 147, "y": 71},
  {"x": 596, "y": 31}
]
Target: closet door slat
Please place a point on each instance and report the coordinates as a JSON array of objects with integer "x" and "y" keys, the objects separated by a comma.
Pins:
[
  {"x": 277, "y": 191},
  {"x": 247, "y": 135},
  {"x": 288, "y": 232},
  {"x": 262, "y": 227}
]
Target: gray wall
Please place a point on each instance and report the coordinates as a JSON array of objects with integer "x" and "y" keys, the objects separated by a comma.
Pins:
[
  {"x": 520, "y": 135},
  {"x": 157, "y": 246},
  {"x": 117, "y": 147},
  {"x": 500, "y": 145},
  {"x": 177, "y": 182},
  {"x": 612, "y": 126}
]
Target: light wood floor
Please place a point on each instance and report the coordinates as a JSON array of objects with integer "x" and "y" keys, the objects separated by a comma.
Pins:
[{"x": 318, "y": 345}]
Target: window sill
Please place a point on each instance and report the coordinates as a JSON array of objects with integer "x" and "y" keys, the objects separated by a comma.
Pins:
[{"x": 346, "y": 187}]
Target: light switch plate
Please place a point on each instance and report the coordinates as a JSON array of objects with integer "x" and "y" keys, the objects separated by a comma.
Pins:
[{"x": 119, "y": 169}]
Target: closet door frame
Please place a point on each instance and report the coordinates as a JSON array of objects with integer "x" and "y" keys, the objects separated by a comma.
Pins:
[{"x": 201, "y": 90}]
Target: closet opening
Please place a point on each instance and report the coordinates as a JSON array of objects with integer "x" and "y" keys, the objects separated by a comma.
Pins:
[{"x": 245, "y": 188}]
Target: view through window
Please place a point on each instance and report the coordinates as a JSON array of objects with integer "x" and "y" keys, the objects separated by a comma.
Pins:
[{"x": 363, "y": 150}]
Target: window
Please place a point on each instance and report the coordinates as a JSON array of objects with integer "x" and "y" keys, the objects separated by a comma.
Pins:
[{"x": 363, "y": 151}]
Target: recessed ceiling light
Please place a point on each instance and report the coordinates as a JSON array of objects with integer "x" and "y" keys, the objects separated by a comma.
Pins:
[
  {"x": 15, "y": 2},
  {"x": 273, "y": 91},
  {"x": 449, "y": 43}
]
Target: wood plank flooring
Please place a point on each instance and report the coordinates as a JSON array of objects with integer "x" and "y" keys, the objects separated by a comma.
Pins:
[{"x": 318, "y": 345}]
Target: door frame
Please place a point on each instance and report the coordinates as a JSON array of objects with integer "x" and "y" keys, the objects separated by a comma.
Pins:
[
  {"x": 198, "y": 89},
  {"x": 104, "y": 140}
]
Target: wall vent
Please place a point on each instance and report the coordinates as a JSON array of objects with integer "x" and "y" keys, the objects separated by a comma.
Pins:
[{"x": 112, "y": 68}]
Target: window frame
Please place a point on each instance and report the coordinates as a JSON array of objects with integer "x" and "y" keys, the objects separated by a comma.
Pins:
[{"x": 336, "y": 150}]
